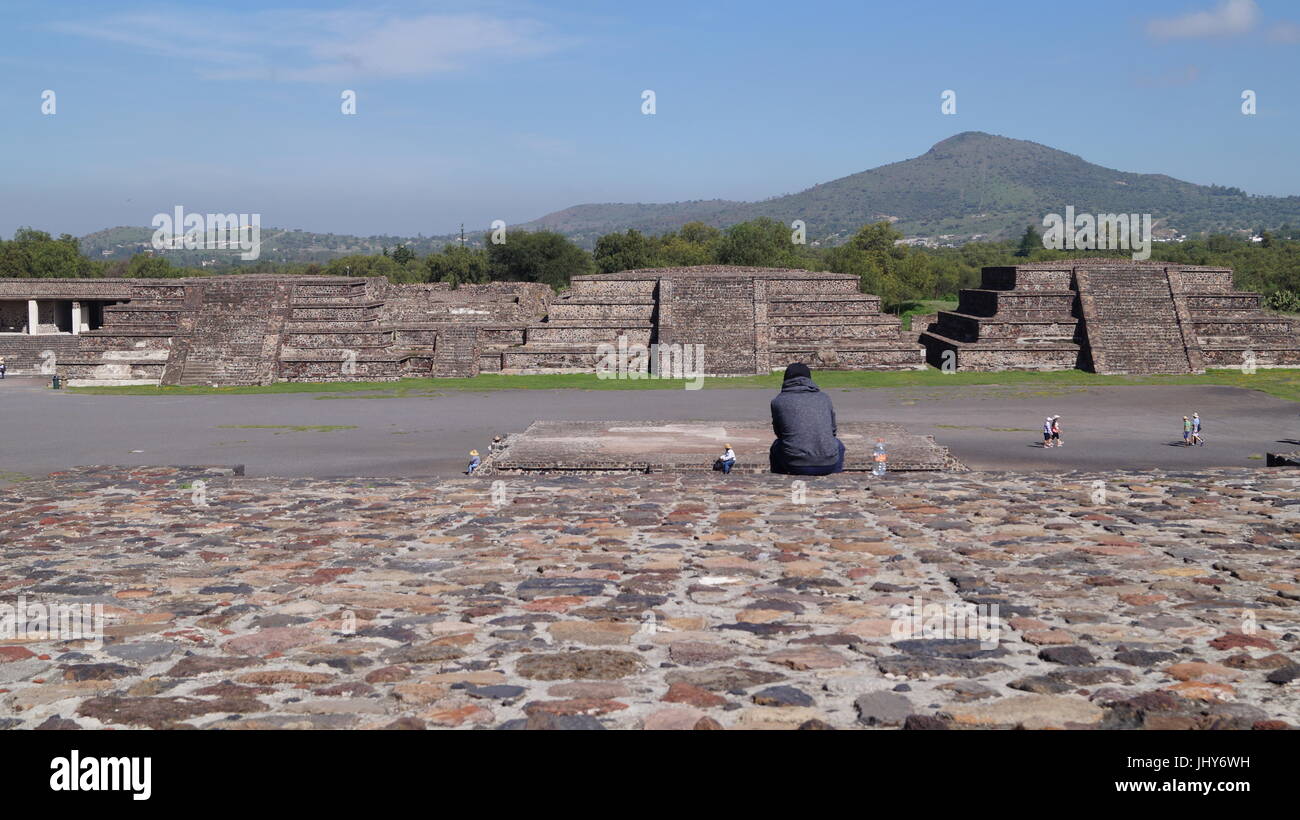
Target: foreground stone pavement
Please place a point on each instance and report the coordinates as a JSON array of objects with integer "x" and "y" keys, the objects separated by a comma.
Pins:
[{"x": 655, "y": 601}]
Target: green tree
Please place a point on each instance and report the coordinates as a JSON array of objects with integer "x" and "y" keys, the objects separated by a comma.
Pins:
[
  {"x": 878, "y": 237},
  {"x": 700, "y": 234},
  {"x": 402, "y": 254},
  {"x": 35, "y": 254},
  {"x": 763, "y": 242},
  {"x": 457, "y": 265},
  {"x": 143, "y": 266},
  {"x": 540, "y": 256},
  {"x": 624, "y": 251},
  {"x": 1030, "y": 242},
  {"x": 871, "y": 255}
]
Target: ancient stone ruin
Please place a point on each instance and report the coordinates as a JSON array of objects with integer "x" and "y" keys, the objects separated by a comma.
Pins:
[
  {"x": 256, "y": 329},
  {"x": 252, "y": 329},
  {"x": 1110, "y": 316},
  {"x": 748, "y": 320},
  {"x": 1107, "y": 315},
  {"x": 590, "y": 447}
]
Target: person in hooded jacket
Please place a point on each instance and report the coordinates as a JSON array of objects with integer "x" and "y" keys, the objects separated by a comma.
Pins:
[{"x": 804, "y": 423}]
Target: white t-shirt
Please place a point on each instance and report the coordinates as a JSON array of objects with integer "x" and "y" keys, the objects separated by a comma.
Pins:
[{"x": 729, "y": 455}]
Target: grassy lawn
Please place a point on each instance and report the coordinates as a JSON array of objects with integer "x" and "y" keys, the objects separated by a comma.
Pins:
[
  {"x": 1282, "y": 383},
  {"x": 911, "y": 309}
]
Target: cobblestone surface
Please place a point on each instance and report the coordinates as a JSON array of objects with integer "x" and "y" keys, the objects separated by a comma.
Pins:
[{"x": 656, "y": 602}]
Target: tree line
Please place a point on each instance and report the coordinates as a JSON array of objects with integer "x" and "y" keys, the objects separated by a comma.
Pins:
[{"x": 900, "y": 274}]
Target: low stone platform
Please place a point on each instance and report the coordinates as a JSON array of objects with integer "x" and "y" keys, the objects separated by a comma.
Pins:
[
  {"x": 1171, "y": 601},
  {"x": 692, "y": 446}
]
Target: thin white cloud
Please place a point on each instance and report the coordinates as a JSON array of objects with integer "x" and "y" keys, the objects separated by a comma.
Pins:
[
  {"x": 323, "y": 46},
  {"x": 1227, "y": 19},
  {"x": 1285, "y": 33}
]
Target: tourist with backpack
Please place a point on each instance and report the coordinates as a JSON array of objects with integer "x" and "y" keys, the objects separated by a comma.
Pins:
[
  {"x": 1047, "y": 432},
  {"x": 1196, "y": 430}
]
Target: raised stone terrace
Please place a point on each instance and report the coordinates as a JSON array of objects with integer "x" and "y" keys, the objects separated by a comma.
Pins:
[
  {"x": 1110, "y": 316},
  {"x": 253, "y": 329},
  {"x": 748, "y": 320},
  {"x": 587, "y": 447},
  {"x": 258, "y": 329},
  {"x": 1172, "y": 601}
]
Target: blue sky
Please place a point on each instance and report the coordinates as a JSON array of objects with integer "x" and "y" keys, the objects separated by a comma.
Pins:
[{"x": 469, "y": 112}]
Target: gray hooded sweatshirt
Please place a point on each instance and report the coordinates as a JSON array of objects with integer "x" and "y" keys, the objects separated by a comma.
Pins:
[{"x": 804, "y": 423}]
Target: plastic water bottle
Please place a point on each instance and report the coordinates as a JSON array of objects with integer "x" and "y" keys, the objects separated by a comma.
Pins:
[{"x": 879, "y": 457}]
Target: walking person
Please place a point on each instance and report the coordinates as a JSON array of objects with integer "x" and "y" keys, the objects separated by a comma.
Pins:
[
  {"x": 804, "y": 423},
  {"x": 1056, "y": 432},
  {"x": 1047, "y": 432},
  {"x": 728, "y": 458},
  {"x": 1196, "y": 430},
  {"x": 2, "y": 367},
  {"x": 1187, "y": 431}
]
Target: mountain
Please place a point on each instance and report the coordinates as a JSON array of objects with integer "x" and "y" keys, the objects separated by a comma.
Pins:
[
  {"x": 969, "y": 184},
  {"x": 972, "y": 185}
]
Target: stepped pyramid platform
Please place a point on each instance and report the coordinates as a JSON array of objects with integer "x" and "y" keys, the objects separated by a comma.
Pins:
[
  {"x": 1110, "y": 316},
  {"x": 692, "y": 446},
  {"x": 749, "y": 321},
  {"x": 258, "y": 329}
]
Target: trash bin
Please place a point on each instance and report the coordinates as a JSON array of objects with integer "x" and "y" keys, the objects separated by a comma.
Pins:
[{"x": 56, "y": 383}]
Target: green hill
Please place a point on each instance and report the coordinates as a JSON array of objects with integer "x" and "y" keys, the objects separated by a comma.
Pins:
[{"x": 972, "y": 183}]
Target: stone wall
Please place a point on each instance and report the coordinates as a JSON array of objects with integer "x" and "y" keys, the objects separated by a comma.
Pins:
[
  {"x": 34, "y": 355},
  {"x": 491, "y": 302},
  {"x": 750, "y": 320},
  {"x": 715, "y": 313},
  {"x": 252, "y": 329},
  {"x": 1111, "y": 316}
]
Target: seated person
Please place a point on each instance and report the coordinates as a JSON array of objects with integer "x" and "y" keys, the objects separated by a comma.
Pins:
[
  {"x": 804, "y": 423},
  {"x": 474, "y": 462},
  {"x": 728, "y": 458}
]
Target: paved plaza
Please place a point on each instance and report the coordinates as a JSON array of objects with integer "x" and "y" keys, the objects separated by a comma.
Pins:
[
  {"x": 1166, "y": 600},
  {"x": 343, "y": 434}
]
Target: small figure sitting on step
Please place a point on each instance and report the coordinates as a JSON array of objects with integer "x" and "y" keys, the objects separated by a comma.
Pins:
[{"x": 728, "y": 459}]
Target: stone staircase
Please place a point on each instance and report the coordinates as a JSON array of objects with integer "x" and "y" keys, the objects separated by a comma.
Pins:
[
  {"x": 1131, "y": 321},
  {"x": 749, "y": 320},
  {"x": 26, "y": 355},
  {"x": 237, "y": 332},
  {"x": 1231, "y": 327},
  {"x": 333, "y": 332},
  {"x": 139, "y": 339},
  {"x": 1020, "y": 318},
  {"x": 1110, "y": 315},
  {"x": 834, "y": 326}
]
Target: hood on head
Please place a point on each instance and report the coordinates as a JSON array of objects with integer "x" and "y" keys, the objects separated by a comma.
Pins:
[
  {"x": 800, "y": 384},
  {"x": 796, "y": 369}
]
